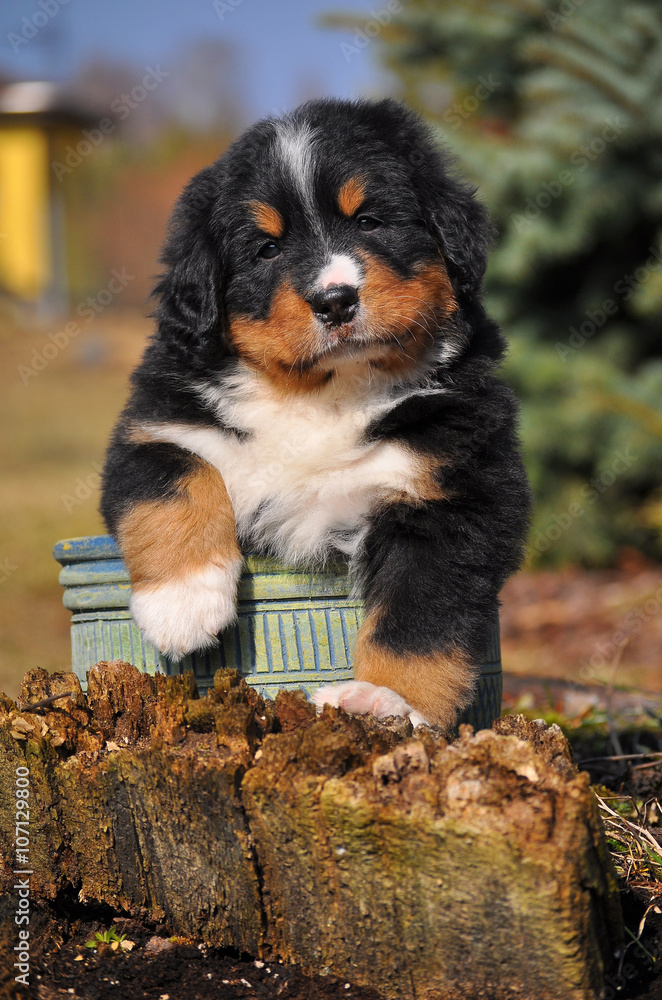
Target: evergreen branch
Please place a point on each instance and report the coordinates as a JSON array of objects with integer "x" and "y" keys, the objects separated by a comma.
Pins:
[
  {"x": 621, "y": 50},
  {"x": 646, "y": 20},
  {"x": 646, "y": 416},
  {"x": 629, "y": 94}
]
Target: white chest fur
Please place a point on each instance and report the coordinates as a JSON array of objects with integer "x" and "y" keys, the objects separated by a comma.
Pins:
[{"x": 301, "y": 481}]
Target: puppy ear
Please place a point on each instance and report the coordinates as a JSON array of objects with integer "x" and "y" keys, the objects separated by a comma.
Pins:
[
  {"x": 459, "y": 224},
  {"x": 189, "y": 292}
]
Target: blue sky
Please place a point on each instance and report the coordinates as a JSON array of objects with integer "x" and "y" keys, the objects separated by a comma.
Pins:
[{"x": 282, "y": 52}]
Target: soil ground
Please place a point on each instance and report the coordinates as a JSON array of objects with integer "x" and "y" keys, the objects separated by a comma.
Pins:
[
  {"x": 188, "y": 972},
  {"x": 158, "y": 967}
]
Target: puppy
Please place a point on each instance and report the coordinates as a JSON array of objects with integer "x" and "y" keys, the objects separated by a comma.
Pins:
[{"x": 321, "y": 381}]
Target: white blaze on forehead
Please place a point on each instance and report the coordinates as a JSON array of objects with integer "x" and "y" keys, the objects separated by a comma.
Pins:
[
  {"x": 295, "y": 148},
  {"x": 342, "y": 270}
]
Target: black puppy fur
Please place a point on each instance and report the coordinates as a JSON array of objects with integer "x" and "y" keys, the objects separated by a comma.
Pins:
[{"x": 321, "y": 379}]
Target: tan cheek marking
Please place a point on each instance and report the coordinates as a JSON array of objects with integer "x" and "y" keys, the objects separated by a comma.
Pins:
[
  {"x": 351, "y": 196},
  {"x": 278, "y": 344},
  {"x": 436, "y": 685},
  {"x": 433, "y": 281},
  {"x": 411, "y": 307},
  {"x": 268, "y": 218},
  {"x": 169, "y": 539}
]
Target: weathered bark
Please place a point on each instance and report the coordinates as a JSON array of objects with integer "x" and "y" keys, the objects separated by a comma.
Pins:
[{"x": 423, "y": 869}]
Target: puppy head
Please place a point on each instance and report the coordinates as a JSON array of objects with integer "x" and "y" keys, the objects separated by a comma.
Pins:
[{"x": 330, "y": 237}]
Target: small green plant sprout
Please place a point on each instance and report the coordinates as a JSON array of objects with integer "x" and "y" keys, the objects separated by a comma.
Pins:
[{"x": 110, "y": 937}]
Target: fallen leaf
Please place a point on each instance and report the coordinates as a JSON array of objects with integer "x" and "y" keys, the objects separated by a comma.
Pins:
[{"x": 23, "y": 726}]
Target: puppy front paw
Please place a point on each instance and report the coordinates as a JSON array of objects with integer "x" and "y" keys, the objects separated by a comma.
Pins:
[
  {"x": 184, "y": 614},
  {"x": 361, "y": 698}
]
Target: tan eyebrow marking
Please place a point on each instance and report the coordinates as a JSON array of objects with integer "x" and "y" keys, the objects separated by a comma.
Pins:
[
  {"x": 268, "y": 218},
  {"x": 351, "y": 196}
]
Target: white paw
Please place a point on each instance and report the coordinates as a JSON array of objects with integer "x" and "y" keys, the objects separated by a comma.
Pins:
[
  {"x": 361, "y": 697},
  {"x": 179, "y": 616}
]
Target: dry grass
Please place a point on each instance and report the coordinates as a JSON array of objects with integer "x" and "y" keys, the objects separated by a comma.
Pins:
[
  {"x": 635, "y": 850},
  {"x": 637, "y": 856},
  {"x": 627, "y": 783},
  {"x": 56, "y": 428}
]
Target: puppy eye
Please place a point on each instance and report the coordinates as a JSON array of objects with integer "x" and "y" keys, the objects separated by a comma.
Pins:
[
  {"x": 269, "y": 250},
  {"x": 366, "y": 223}
]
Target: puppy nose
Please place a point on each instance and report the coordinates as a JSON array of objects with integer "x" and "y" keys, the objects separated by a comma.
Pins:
[{"x": 336, "y": 304}]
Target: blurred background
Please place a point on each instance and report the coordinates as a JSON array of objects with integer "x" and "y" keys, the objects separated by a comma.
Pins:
[{"x": 555, "y": 112}]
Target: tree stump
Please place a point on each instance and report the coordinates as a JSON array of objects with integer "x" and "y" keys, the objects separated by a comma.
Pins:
[{"x": 394, "y": 859}]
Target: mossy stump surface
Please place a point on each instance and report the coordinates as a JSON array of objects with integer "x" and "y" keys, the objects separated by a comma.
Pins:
[{"x": 427, "y": 870}]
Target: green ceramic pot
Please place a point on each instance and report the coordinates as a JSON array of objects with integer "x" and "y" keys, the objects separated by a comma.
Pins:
[{"x": 294, "y": 628}]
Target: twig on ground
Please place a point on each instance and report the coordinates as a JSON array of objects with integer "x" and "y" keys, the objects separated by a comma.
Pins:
[
  {"x": 46, "y": 701},
  {"x": 623, "y": 756}
]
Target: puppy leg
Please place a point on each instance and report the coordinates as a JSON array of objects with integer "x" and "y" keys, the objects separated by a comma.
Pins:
[
  {"x": 181, "y": 549},
  {"x": 430, "y": 587},
  {"x": 426, "y": 687},
  {"x": 435, "y": 684}
]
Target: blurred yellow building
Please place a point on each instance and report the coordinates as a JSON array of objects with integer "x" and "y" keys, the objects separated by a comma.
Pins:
[{"x": 35, "y": 125}]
